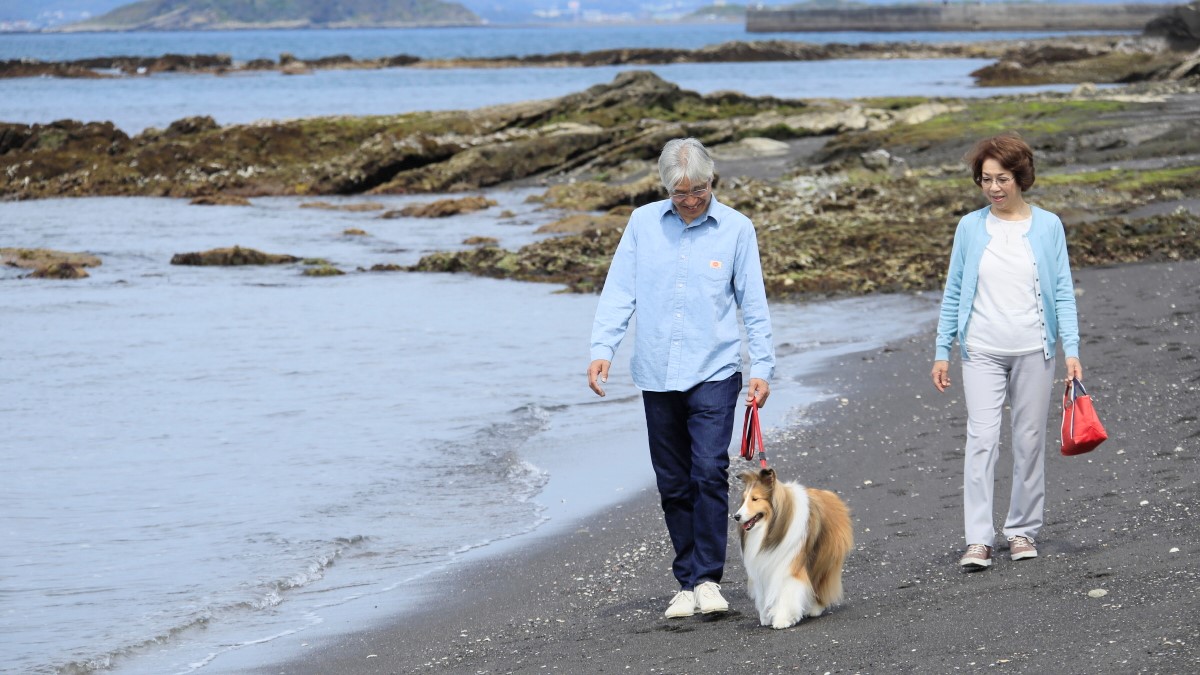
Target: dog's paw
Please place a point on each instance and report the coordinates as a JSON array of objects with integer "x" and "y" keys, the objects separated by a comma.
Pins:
[
  {"x": 781, "y": 623},
  {"x": 816, "y": 610}
]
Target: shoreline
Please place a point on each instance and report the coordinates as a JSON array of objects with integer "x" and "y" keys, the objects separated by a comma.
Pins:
[
  {"x": 590, "y": 600},
  {"x": 736, "y": 51}
]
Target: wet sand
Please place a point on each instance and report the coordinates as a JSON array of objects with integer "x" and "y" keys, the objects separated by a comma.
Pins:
[{"x": 1122, "y": 519}]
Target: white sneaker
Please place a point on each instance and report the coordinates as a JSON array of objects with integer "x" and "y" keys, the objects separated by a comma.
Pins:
[
  {"x": 708, "y": 598},
  {"x": 683, "y": 604}
]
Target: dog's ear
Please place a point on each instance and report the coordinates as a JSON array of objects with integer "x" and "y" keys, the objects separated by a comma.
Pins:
[{"x": 767, "y": 477}]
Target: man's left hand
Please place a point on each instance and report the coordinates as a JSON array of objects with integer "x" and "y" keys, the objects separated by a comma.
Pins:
[{"x": 759, "y": 391}]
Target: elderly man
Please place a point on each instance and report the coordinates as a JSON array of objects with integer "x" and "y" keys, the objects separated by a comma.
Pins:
[{"x": 685, "y": 265}]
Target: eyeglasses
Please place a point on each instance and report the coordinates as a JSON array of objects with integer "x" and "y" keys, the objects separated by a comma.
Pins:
[
  {"x": 697, "y": 193},
  {"x": 1001, "y": 181}
]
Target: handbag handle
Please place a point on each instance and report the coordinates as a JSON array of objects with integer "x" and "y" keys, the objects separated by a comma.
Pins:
[{"x": 1074, "y": 390}]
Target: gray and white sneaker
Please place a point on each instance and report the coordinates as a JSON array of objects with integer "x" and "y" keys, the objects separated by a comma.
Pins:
[
  {"x": 683, "y": 604},
  {"x": 709, "y": 599},
  {"x": 978, "y": 557}
]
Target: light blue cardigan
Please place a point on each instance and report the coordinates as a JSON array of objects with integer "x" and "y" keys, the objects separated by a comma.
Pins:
[{"x": 1052, "y": 271}]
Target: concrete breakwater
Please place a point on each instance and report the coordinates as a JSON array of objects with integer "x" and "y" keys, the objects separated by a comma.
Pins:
[{"x": 956, "y": 17}]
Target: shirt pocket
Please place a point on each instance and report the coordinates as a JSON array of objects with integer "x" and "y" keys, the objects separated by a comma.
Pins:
[{"x": 717, "y": 272}]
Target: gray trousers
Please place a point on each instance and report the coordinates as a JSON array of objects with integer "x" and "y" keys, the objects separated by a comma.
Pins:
[{"x": 1026, "y": 381}]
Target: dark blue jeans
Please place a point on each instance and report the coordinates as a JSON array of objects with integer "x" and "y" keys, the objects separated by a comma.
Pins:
[{"x": 689, "y": 447}]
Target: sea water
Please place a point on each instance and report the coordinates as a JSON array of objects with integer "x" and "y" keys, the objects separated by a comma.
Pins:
[{"x": 134, "y": 104}]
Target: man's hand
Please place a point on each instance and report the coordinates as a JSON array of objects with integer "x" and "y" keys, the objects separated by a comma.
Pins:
[
  {"x": 597, "y": 373},
  {"x": 758, "y": 393},
  {"x": 941, "y": 375}
]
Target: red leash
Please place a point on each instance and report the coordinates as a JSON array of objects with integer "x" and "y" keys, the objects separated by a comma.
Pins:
[{"x": 752, "y": 437}]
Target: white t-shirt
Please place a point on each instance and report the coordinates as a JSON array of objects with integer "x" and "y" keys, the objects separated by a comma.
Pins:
[{"x": 1004, "y": 315}]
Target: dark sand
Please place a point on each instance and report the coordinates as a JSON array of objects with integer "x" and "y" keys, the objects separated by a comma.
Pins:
[{"x": 890, "y": 444}]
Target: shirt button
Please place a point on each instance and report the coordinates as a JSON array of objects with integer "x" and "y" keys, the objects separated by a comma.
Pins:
[
  {"x": 678, "y": 315},
  {"x": 678, "y": 285}
]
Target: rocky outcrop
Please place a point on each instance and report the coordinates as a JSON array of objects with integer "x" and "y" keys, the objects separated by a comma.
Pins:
[
  {"x": 106, "y": 66},
  {"x": 583, "y": 222},
  {"x": 443, "y": 208},
  {"x": 1180, "y": 26},
  {"x": 597, "y": 196},
  {"x": 233, "y": 256},
  {"x": 596, "y": 130},
  {"x": 48, "y": 263},
  {"x": 1129, "y": 60},
  {"x": 220, "y": 200},
  {"x": 358, "y": 207},
  {"x": 579, "y": 261}
]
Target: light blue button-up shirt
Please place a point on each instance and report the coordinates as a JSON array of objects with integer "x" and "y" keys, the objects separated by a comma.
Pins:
[{"x": 686, "y": 283}]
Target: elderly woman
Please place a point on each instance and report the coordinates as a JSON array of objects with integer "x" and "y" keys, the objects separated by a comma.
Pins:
[{"x": 1010, "y": 301}]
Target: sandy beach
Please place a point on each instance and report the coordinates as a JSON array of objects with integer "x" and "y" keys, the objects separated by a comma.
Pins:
[{"x": 1121, "y": 520}]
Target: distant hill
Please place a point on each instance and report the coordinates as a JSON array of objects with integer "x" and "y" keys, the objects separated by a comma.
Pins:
[{"x": 235, "y": 14}]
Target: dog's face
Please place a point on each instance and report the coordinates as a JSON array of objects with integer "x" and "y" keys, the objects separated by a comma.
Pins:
[{"x": 757, "y": 505}]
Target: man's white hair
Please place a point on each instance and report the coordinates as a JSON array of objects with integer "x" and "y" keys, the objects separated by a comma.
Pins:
[{"x": 684, "y": 158}]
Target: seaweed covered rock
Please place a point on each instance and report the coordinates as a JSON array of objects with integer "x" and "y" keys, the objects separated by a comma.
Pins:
[
  {"x": 580, "y": 261},
  {"x": 582, "y": 222},
  {"x": 220, "y": 200},
  {"x": 323, "y": 271},
  {"x": 62, "y": 270},
  {"x": 356, "y": 207},
  {"x": 232, "y": 256},
  {"x": 598, "y": 196},
  {"x": 48, "y": 263},
  {"x": 443, "y": 208},
  {"x": 592, "y": 132}
]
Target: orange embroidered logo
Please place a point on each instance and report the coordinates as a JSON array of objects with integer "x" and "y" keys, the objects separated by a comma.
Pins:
[{"x": 716, "y": 264}]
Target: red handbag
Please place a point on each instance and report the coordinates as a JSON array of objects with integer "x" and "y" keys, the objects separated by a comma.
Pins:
[{"x": 1081, "y": 427}]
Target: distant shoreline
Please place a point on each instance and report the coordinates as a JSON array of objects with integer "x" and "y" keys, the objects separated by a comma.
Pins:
[
  {"x": 736, "y": 51},
  {"x": 956, "y": 17}
]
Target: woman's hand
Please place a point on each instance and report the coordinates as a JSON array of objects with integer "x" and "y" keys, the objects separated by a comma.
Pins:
[
  {"x": 941, "y": 375},
  {"x": 1074, "y": 369}
]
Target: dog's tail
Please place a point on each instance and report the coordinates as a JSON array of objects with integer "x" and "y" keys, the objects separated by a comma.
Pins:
[{"x": 830, "y": 539}]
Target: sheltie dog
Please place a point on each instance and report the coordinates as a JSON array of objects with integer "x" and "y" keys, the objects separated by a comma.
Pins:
[{"x": 794, "y": 541}]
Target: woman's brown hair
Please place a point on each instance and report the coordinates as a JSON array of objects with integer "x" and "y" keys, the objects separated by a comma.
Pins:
[{"x": 1011, "y": 151}]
